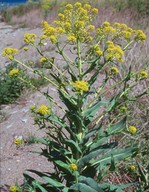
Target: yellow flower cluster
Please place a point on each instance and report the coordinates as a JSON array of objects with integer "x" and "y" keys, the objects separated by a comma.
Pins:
[
  {"x": 43, "y": 110},
  {"x": 132, "y": 168},
  {"x": 9, "y": 52},
  {"x": 74, "y": 22},
  {"x": 73, "y": 167},
  {"x": 140, "y": 36},
  {"x": 107, "y": 29},
  {"x": 13, "y": 188},
  {"x": 80, "y": 86},
  {"x": 25, "y": 48},
  {"x": 143, "y": 75},
  {"x": 96, "y": 49},
  {"x": 13, "y": 72},
  {"x": 43, "y": 60},
  {"x": 132, "y": 129},
  {"x": 114, "y": 70},
  {"x": 118, "y": 30},
  {"x": 123, "y": 109},
  {"x": 29, "y": 38},
  {"x": 114, "y": 52}
]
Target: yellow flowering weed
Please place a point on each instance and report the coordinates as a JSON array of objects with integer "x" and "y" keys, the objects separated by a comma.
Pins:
[
  {"x": 73, "y": 167},
  {"x": 132, "y": 129},
  {"x": 43, "y": 110},
  {"x": 13, "y": 188},
  {"x": 13, "y": 72},
  {"x": 80, "y": 86}
]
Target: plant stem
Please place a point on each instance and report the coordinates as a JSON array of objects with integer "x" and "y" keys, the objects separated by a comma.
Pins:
[{"x": 79, "y": 58}]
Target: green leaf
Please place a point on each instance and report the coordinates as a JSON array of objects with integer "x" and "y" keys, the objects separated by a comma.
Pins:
[
  {"x": 99, "y": 142},
  {"x": 118, "y": 154},
  {"x": 112, "y": 104},
  {"x": 91, "y": 111},
  {"x": 62, "y": 165},
  {"x": 118, "y": 188},
  {"x": 91, "y": 133},
  {"x": 41, "y": 188},
  {"x": 53, "y": 182},
  {"x": 83, "y": 188},
  {"x": 73, "y": 145},
  {"x": 67, "y": 101},
  {"x": 117, "y": 127},
  {"x": 91, "y": 182},
  {"x": 112, "y": 165},
  {"x": 90, "y": 156}
]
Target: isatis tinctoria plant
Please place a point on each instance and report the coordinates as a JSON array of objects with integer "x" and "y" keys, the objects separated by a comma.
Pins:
[{"x": 83, "y": 142}]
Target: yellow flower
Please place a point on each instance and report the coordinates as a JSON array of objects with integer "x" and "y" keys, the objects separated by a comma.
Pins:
[
  {"x": 10, "y": 57},
  {"x": 25, "y": 48},
  {"x": 143, "y": 74},
  {"x": 123, "y": 109},
  {"x": 117, "y": 25},
  {"x": 18, "y": 141},
  {"x": 13, "y": 188},
  {"x": 114, "y": 70},
  {"x": 43, "y": 60},
  {"x": 33, "y": 107},
  {"x": 61, "y": 16},
  {"x": 90, "y": 27},
  {"x": 77, "y": 5},
  {"x": 80, "y": 86},
  {"x": 43, "y": 110},
  {"x": 94, "y": 11},
  {"x": 13, "y": 72},
  {"x": 69, "y": 6},
  {"x": 140, "y": 36},
  {"x": 132, "y": 168},
  {"x": 43, "y": 37},
  {"x": 29, "y": 38},
  {"x": 132, "y": 129},
  {"x": 9, "y": 51},
  {"x": 87, "y": 7},
  {"x": 53, "y": 39},
  {"x": 73, "y": 167},
  {"x": 71, "y": 38}
]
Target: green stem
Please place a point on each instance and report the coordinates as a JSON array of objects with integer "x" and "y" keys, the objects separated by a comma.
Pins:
[
  {"x": 128, "y": 45},
  {"x": 79, "y": 62},
  {"x": 30, "y": 69},
  {"x": 39, "y": 51}
]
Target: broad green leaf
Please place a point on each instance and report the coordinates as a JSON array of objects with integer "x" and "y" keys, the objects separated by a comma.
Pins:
[
  {"x": 52, "y": 182},
  {"x": 118, "y": 155},
  {"x": 67, "y": 101},
  {"x": 63, "y": 165},
  {"x": 41, "y": 188},
  {"x": 99, "y": 143},
  {"x": 111, "y": 105},
  {"x": 42, "y": 140},
  {"x": 81, "y": 187},
  {"x": 90, "y": 182},
  {"x": 91, "y": 133},
  {"x": 90, "y": 156},
  {"x": 91, "y": 111},
  {"x": 73, "y": 145},
  {"x": 66, "y": 189},
  {"x": 117, "y": 127},
  {"x": 118, "y": 188}
]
